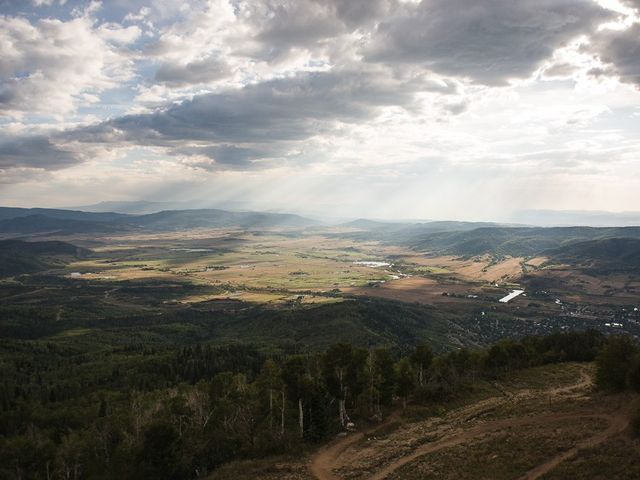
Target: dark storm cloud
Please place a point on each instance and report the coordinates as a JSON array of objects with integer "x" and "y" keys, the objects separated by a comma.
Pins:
[
  {"x": 238, "y": 158},
  {"x": 489, "y": 41},
  {"x": 200, "y": 71},
  {"x": 621, "y": 49},
  {"x": 257, "y": 121},
  {"x": 33, "y": 152},
  {"x": 282, "y": 25}
]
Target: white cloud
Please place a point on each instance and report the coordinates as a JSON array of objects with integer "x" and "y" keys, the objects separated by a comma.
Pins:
[{"x": 46, "y": 66}]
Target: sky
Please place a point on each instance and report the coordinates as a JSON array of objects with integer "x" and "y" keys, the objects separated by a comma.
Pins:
[{"x": 432, "y": 109}]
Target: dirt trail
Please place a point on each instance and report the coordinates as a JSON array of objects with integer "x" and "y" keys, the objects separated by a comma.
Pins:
[
  {"x": 323, "y": 462},
  {"x": 617, "y": 424},
  {"x": 492, "y": 428},
  {"x": 585, "y": 382},
  {"x": 327, "y": 458}
]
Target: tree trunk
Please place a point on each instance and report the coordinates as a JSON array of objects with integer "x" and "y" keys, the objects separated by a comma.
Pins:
[
  {"x": 420, "y": 376},
  {"x": 344, "y": 418},
  {"x": 301, "y": 417},
  {"x": 282, "y": 415},
  {"x": 270, "y": 411}
]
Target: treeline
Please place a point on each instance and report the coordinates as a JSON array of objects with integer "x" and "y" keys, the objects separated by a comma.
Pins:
[
  {"x": 210, "y": 406},
  {"x": 618, "y": 365},
  {"x": 618, "y": 370}
]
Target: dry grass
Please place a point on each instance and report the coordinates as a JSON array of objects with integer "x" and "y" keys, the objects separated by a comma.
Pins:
[
  {"x": 415, "y": 289},
  {"x": 615, "y": 459},
  {"x": 506, "y": 456},
  {"x": 536, "y": 262},
  {"x": 482, "y": 268}
]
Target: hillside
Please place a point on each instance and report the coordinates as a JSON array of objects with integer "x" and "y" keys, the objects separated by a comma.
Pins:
[
  {"x": 610, "y": 254},
  {"x": 14, "y": 212},
  {"x": 212, "y": 218},
  {"x": 533, "y": 416},
  {"x": 66, "y": 222},
  {"x": 18, "y": 257},
  {"x": 517, "y": 241},
  {"x": 32, "y": 224},
  {"x": 542, "y": 422},
  {"x": 363, "y": 322},
  {"x": 132, "y": 207},
  {"x": 402, "y": 233}
]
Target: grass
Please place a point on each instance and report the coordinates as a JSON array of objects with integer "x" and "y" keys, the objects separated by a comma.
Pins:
[
  {"x": 617, "y": 458},
  {"x": 272, "y": 468},
  {"x": 75, "y": 332},
  {"x": 504, "y": 457},
  {"x": 424, "y": 270},
  {"x": 251, "y": 263},
  {"x": 546, "y": 375}
]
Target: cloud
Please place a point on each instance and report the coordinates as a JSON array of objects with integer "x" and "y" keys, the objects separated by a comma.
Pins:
[
  {"x": 194, "y": 48},
  {"x": 270, "y": 119},
  {"x": 489, "y": 42},
  {"x": 226, "y": 156},
  {"x": 632, "y": 3},
  {"x": 33, "y": 152},
  {"x": 47, "y": 66},
  {"x": 284, "y": 25},
  {"x": 621, "y": 49},
  {"x": 198, "y": 71},
  {"x": 220, "y": 40}
]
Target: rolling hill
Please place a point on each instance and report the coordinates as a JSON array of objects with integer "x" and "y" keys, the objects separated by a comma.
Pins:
[
  {"x": 18, "y": 257},
  {"x": 212, "y": 218},
  {"x": 65, "y": 222},
  {"x": 610, "y": 254},
  {"x": 519, "y": 241},
  {"x": 32, "y": 224},
  {"x": 7, "y": 213}
]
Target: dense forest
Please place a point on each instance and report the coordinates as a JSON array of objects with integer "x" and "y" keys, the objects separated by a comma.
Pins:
[{"x": 181, "y": 413}]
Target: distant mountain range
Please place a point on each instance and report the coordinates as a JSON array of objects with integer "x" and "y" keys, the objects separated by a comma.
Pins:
[
  {"x": 416, "y": 227},
  {"x": 133, "y": 208},
  {"x": 142, "y": 207},
  {"x": 210, "y": 218},
  {"x": 564, "y": 218},
  {"x": 40, "y": 223},
  {"x": 14, "y": 212},
  {"x": 65, "y": 222},
  {"x": 574, "y": 244},
  {"x": 518, "y": 241}
]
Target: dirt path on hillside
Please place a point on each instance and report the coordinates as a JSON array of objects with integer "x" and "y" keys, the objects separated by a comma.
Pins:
[
  {"x": 585, "y": 382},
  {"x": 491, "y": 429},
  {"x": 617, "y": 424},
  {"x": 326, "y": 459},
  {"x": 323, "y": 462}
]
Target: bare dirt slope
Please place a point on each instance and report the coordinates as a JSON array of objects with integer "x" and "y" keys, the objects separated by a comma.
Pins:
[{"x": 558, "y": 421}]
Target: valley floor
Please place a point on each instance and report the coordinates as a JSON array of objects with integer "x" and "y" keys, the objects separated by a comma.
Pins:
[{"x": 543, "y": 423}]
